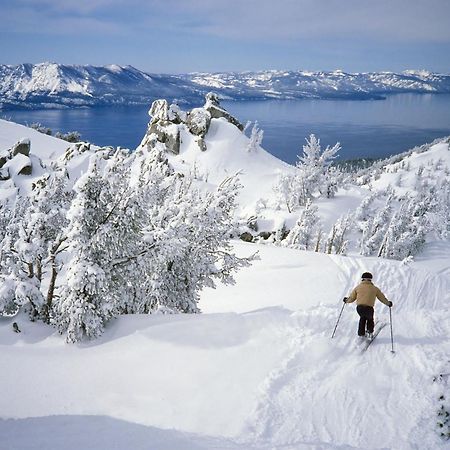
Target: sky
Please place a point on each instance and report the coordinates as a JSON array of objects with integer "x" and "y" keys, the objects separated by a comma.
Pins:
[{"x": 178, "y": 36}]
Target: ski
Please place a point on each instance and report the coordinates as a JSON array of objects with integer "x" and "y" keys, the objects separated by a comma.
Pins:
[{"x": 375, "y": 334}]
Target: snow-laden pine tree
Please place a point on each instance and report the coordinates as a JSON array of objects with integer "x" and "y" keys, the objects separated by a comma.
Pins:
[
  {"x": 256, "y": 138},
  {"x": 314, "y": 177},
  {"x": 287, "y": 193},
  {"x": 189, "y": 236},
  {"x": 141, "y": 238},
  {"x": 374, "y": 229},
  {"x": 439, "y": 215},
  {"x": 20, "y": 281},
  {"x": 304, "y": 234},
  {"x": 363, "y": 211},
  {"x": 337, "y": 240},
  {"x": 85, "y": 301},
  {"x": 33, "y": 239},
  {"x": 408, "y": 226},
  {"x": 315, "y": 166}
]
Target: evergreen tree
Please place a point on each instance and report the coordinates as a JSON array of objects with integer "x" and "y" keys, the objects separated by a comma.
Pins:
[
  {"x": 375, "y": 229},
  {"x": 256, "y": 137},
  {"x": 304, "y": 234},
  {"x": 337, "y": 238},
  {"x": 313, "y": 177},
  {"x": 85, "y": 304}
]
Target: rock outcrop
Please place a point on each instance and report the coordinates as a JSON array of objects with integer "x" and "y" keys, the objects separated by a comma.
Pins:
[
  {"x": 23, "y": 147},
  {"x": 212, "y": 105},
  {"x": 16, "y": 160},
  {"x": 167, "y": 123}
]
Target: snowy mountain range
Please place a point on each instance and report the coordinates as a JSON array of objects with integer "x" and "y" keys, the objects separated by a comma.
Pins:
[{"x": 49, "y": 85}]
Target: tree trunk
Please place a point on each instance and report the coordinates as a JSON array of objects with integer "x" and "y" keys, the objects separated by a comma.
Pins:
[
  {"x": 51, "y": 289},
  {"x": 39, "y": 269}
]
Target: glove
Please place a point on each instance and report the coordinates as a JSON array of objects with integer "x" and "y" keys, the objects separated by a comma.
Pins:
[
  {"x": 390, "y": 304},
  {"x": 345, "y": 299}
]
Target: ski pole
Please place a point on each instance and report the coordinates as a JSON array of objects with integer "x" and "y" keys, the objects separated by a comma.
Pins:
[
  {"x": 339, "y": 318},
  {"x": 392, "y": 336}
]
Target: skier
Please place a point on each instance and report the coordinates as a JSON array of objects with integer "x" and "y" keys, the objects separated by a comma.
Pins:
[{"x": 365, "y": 294}]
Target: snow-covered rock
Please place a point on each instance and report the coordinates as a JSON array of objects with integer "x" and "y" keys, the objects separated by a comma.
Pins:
[{"x": 213, "y": 149}]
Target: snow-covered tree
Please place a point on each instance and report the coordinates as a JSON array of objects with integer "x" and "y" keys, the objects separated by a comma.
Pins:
[
  {"x": 256, "y": 137},
  {"x": 19, "y": 280},
  {"x": 142, "y": 239},
  {"x": 315, "y": 165},
  {"x": 313, "y": 177},
  {"x": 337, "y": 240},
  {"x": 85, "y": 303},
  {"x": 287, "y": 193},
  {"x": 375, "y": 228},
  {"x": 304, "y": 234},
  {"x": 405, "y": 235}
]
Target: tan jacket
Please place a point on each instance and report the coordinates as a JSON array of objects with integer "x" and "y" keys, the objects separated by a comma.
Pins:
[{"x": 366, "y": 293}]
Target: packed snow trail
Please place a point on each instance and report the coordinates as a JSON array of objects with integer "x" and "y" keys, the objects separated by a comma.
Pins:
[{"x": 327, "y": 392}]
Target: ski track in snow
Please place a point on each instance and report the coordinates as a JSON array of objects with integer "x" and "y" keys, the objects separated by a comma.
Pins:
[{"x": 327, "y": 394}]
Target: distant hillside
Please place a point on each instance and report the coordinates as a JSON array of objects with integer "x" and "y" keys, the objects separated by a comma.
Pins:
[
  {"x": 49, "y": 85},
  {"x": 335, "y": 84}
]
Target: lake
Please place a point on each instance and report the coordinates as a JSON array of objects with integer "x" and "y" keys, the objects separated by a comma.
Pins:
[{"x": 368, "y": 128}]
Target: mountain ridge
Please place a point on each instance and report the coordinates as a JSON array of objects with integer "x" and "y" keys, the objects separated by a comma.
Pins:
[{"x": 51, "y": 85}]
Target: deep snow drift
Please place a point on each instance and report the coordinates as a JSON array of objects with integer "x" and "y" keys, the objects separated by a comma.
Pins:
[{"x": 259, "y": 368}]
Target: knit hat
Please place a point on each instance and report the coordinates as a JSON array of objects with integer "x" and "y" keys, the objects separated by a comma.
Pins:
[{"x": 366, "y": 276}]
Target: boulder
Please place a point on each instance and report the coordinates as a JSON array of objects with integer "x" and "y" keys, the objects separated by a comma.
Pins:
[
  {"x": 23, "y": 147},
  {"x": 4, "y": 174},
  {"x": 159, "y": 111},
  {"x": 19, "y": 165},
  {"x": 167, "y": 134},
  {"x": 198, "y": 121},
  {"x": 212, "y": 105},
  {"x": 176, "y": 114},
  {"x": 246, "y": 237},
  {"x": 265, "y": 235},
  {"x": 164, "y": 124}
]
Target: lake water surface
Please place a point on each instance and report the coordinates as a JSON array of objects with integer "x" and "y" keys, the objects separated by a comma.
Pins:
[{"x": 370, "y": 128}]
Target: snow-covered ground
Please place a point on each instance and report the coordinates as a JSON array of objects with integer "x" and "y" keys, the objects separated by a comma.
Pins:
[{"x": 258, "y": 369}]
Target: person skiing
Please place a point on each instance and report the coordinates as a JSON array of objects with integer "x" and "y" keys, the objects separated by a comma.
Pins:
[{"x": 365, "y": 295}]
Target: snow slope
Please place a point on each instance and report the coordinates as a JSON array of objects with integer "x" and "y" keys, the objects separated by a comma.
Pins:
[
  {"x": 45, "y": 147},
  {"x": 227, "y": 154},
  {"x": 402, "y": 175},
  {"x": 259, "y": 367}
]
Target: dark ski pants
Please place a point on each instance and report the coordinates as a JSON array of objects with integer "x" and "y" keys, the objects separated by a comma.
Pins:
[{"x": 365, "y": 317}]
